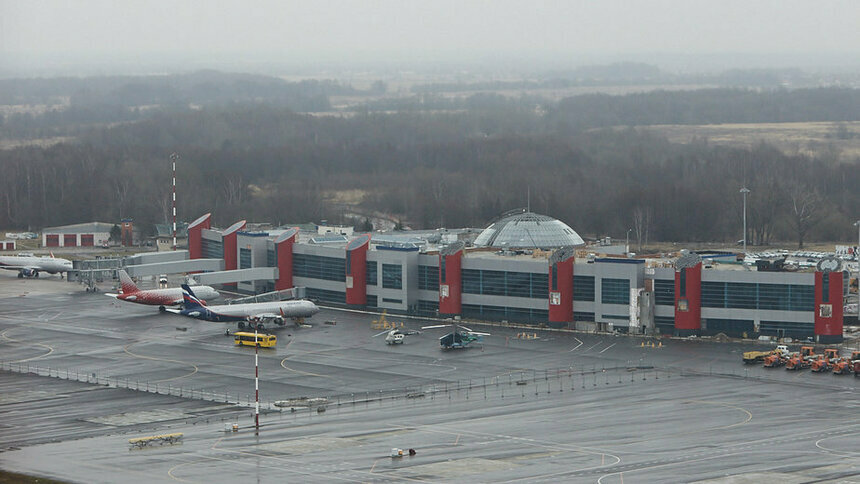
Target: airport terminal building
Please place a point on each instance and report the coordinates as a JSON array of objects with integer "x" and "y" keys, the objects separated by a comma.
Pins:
[{"x": 527, "y": 268}]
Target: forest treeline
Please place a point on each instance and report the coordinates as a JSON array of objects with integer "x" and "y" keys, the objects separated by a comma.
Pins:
[{"x": 453, "y": 167}]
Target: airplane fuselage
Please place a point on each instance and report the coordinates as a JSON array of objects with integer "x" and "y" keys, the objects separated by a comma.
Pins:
[
  {"x": 241, "y": 312},
  {"x": 166, "y": 297},
  {"x": 32, "y": 265}
]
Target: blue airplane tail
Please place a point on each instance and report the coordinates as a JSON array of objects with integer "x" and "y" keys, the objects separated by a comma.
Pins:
[{"x": 189, "y": 299}]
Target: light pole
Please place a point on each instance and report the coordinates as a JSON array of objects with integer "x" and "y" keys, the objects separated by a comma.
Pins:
[
  {"x": 857, "y": 249},
  {"x": 627, "y": 243},
  {"x": 745, "y": 190}
]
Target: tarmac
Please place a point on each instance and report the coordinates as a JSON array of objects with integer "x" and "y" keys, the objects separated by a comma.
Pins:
[{"x": 81, "y": 374}]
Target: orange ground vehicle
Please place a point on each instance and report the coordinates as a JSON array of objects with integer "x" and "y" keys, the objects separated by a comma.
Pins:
[
  {"x": 845, "y": 364},
  {"x": 774, "y": 360},
  {"x": 825, "y": 361},
  {"x": 799, "y": 361}
]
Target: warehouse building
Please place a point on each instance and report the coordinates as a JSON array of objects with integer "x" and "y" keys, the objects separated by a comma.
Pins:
[
  {"x": 532, "y": 269},
  {"x": 78, "y": 235}
]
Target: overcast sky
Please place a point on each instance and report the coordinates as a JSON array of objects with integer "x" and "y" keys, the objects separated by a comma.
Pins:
[{"x": 297, "y": 30}]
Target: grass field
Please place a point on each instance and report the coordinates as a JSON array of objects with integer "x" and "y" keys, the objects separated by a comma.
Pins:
[{"x": 828, "y": 139}]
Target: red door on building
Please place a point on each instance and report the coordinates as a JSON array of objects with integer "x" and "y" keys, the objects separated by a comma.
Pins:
[
  {"x": 52, "y": 240},
  {"x": 70, "y": 240},
  {"x": 87, "y": 240}
]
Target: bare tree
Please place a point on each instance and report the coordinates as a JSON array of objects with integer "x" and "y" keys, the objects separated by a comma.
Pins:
[
  {"x": 805, "y": 204},
  {"x": 642, "y": 224}
]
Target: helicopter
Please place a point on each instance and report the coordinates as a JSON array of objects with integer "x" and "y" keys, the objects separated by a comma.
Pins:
[
  {"x": 396, "y": 336},
  {"x": 457, "y": 339}
]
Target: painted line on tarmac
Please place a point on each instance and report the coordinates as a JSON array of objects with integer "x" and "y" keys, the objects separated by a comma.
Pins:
[
  {"x": 196, "y": 369},
  {"x": 610, "y": 346},
  {"x": 577, "y": 346},
  {"x": 50, "y": 348},
  {"x": 725, "y": 405},
  {"x": 842, "y": 453},
  {"x": 295, "y": 464}
]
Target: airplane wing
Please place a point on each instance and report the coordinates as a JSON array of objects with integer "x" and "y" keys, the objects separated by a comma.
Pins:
[
  {"x": 173, "y": 310},
  {"x": 18, "y": 268},
  {"x": 112, "y": 295}
]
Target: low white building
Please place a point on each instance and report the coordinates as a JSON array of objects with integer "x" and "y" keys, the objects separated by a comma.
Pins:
[{"x": 92, "y": 234}]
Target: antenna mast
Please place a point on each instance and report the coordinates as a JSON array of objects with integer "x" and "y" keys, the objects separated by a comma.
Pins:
[
  {"x": 528, "y": 199},
  {"x": 173, "y": 158}
]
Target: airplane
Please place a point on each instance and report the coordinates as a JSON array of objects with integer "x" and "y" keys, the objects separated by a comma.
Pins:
[
  {"x": 457, "y": 339},
  {"x": 29, "y": 265},
  {"x": 160, "y": 297},
  {"x": 396, "y": 336},
  {"x": 252, "y": 313}
]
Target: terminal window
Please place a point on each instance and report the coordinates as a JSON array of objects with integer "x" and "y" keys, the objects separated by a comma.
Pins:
[
  {"x": 392, "y": 276},
  {"x": 615, "y": 291}
]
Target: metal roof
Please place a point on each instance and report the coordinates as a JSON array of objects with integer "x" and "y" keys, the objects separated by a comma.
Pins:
[
  {"x": 286, "y": 235},
  {"x": 88, "y": 228},
  {"x": 528, "y": 230},
  {"x": 200, "y": 220}
]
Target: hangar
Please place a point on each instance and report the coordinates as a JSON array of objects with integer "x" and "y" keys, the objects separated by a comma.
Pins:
[{"x": 78, "y": 235}]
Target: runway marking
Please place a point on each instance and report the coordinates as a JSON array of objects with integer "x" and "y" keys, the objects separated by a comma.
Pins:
[
  {"x": 527, "y": 441},
  {"x": 296, "y": 463},
  {"x": 300, "y": 371},
  {"x": 592, "y": 346},
  {"x": 177, "y": 466},
  {"x": 125, "y": 348},
  {"x": 610, "y": 346},
  {"x": 577, "y": 346},
  {"x": 843, "y": 453},
  {"x": 457, "y": 440},
  {"x": 50, "y": 348},
  {"x": 726, "y": 405}
]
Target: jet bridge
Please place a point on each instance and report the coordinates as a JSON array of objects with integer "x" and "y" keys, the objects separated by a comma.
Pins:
[
  {"x": 282, "y": 295},
  {"x": 175, "y": 267},
  {"x": 238, "y": 275}
]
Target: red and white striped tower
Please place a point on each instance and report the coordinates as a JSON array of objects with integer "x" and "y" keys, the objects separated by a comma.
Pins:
[
  {"x": 256, "y": 382},
  {"x": 173, "y": 158}
]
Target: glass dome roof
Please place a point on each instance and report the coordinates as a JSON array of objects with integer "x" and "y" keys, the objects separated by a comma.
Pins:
[{"x": 528, "y": 230}]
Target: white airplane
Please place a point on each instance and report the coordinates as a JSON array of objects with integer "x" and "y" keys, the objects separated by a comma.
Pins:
[
  {"x": 30, "y": 266},
  {"x": 276, "y": 311},
  {"x": 171, "y": 296}
]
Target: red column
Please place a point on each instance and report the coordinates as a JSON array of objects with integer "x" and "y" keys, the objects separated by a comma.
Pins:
[
  {"x": 284, "y": 250},
  {"x": 356, "y": 270},
  {"x": 828, "y": 307},
  {"x": 231, "y": 248},
  {"x": 450, "y": 279},
  {"x": 561, "y": 288},
  {"x": 688, "y": 300},
  {"x": 195, "y": 236}
]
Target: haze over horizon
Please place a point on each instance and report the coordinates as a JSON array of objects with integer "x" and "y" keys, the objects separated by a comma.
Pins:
[{"x": 56, "y": 37}]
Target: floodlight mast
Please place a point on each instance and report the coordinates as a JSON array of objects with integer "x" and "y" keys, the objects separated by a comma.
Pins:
[
  {"x": 744, "y": 191},
  {"x": 173, "y": 158}
]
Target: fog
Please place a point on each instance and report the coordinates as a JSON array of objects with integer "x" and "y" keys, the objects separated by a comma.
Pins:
[{"x": 105, "y": 36}]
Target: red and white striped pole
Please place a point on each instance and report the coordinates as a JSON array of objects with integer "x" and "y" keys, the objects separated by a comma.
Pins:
[
  {"x": 173, "y": 158},
  {"x": 256, "y": 382}
]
